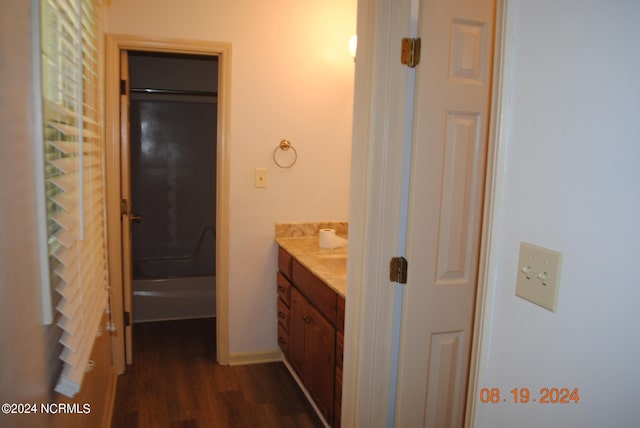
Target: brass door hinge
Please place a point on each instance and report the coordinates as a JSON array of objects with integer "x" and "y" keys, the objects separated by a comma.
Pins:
[
  {"x": 127, "y": 319},
  {"x": 123, "y": 87},
  {"x": 410, "y": 52},
  {"x": 398, "y": 270}
]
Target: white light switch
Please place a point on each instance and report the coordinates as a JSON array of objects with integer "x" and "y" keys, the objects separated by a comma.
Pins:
[
  {"x": 261, "y": 178},
  {"x": 538, "y": 275}
]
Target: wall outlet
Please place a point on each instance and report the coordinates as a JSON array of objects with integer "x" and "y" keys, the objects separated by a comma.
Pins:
[
  {"x": 538, "y": 275},
  {"x": 261, "y": 178}
]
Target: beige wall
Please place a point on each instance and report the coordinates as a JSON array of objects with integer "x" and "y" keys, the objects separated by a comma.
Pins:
[{"x": 292, "y": 77}]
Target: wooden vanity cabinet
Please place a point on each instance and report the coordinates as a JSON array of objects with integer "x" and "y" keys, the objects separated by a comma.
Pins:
[
  {"x": 284, "y": 325},
  {"x": 312, "y": 352},
  {"x": 316, "y": 291},
  {"x": 284, "y": 262},
  {"x": 311, "y": 333},
  {"x": 339, "y": 362}
]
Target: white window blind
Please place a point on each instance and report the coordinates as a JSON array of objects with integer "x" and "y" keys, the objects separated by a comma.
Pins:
[{"x": 72, "y": 104}]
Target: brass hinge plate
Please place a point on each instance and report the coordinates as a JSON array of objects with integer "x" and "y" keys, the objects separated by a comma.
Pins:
[
  {"x": 127, "y": 319},
  {"x": 398, "y": 270},
  {"x": 124, "y": 207},
  {"x": 410, "y": 55},
  {"x": 123, "y": 87}
]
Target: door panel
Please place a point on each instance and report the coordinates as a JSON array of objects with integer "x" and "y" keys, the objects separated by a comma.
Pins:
[{"x": 445, "y": 204}]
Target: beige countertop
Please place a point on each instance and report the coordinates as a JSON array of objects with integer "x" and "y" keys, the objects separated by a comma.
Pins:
[{"x": 330, "y": 265}]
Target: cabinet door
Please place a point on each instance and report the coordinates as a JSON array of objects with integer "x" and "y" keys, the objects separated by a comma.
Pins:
[
  {"x": 320, "y": 350},
  {"x": 297, "y": 327}
]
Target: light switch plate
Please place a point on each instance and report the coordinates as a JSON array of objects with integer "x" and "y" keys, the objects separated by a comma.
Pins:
[
  {"x": 261, "y": 178},
  {"x": 538, "y": 275}
]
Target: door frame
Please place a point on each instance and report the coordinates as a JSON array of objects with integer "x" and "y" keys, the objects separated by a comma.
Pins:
[
  {"x": 114, "y": 43},
  {"x": 372, "y": 312}
]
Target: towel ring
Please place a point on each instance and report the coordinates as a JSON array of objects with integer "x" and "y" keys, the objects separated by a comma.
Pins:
[{"x": 284, "y": 146}]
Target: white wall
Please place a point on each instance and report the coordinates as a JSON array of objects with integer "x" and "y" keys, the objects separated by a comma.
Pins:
[
  {"x": 571, "y": 183},
  {"x": 292, "y": 77}
]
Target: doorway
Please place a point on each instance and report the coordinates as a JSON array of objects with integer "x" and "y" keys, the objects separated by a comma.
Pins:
[
  {"x": 172, "y": 158},
  {"x": 121, "y": 217}
]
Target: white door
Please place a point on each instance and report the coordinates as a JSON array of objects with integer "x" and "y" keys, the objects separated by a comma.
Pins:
[
  {"x": 126, "y": 216},
  {"x": 452, "y": 96}
]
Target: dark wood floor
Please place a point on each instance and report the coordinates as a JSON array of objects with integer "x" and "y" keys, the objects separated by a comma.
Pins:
[{"x": 175, "y": 382}]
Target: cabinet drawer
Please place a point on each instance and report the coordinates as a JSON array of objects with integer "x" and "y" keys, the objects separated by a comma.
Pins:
[
  {"x": 283, "y": 315},
  {"x": 284, "y": 262},
  {"x": 284, "y": 289},
  {"x": 316, "y": 291},
  {"x": 283, "y": 340}
]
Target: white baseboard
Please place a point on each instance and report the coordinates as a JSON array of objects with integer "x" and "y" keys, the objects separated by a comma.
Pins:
[
  {"x": 306, "y": 393},
  {"x": 241, "y": 358}
]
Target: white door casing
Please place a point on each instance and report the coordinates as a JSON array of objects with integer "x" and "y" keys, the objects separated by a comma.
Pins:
[
  {"x": 376, "y": 214},
  {"x": 125, "y": 192},
  {"x": 451, "y": 118},
  {"x": 116, "y": 46}
]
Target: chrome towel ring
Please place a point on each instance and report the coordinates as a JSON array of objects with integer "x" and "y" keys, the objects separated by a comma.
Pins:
[{"x": 284, "y": 146}]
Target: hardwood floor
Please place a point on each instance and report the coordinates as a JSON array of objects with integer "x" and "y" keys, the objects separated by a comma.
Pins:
[{"x": 175, "y": 382}]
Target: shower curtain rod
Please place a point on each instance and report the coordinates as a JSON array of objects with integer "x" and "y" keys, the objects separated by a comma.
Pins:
[{"x": 174, "y": 92}]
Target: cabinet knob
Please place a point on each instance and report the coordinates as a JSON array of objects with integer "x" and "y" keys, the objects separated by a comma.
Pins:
[
  {"x": 281, "y": 315},
  {"x": 307, "y": 320}
]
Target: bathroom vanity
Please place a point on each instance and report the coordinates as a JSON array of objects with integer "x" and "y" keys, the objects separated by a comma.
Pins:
[{"x": 311, "y": 302}]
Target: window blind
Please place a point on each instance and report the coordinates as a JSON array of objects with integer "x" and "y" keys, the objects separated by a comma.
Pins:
[{"x": 72, "y": 100}]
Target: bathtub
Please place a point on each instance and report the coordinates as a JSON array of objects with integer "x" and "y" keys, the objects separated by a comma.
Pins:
[{"x": 174, "y": 298}]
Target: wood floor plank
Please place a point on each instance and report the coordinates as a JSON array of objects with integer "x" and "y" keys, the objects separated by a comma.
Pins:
[{"x": 176, "y": 383}]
